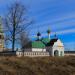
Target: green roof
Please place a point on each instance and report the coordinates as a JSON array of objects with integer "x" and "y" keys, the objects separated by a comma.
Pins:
[
  {"x": 38, "y": 44},
  {"x": 46, "y": 40}
]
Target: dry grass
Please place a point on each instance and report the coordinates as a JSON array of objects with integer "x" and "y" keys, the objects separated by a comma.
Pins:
[{"x": 37, "y": 66}]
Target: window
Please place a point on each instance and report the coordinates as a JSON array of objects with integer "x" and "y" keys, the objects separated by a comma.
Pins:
[{"x": 56, "y": 53}]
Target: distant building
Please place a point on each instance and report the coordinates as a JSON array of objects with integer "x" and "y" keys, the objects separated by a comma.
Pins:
[
  {"x": 1, "y": 37},
  {"x": 39, "y": 47},
  {"x": 69, "y": 53},
  {"x": 43, "y": 47}
]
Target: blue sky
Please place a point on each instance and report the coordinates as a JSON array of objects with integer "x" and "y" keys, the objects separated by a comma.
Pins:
[{"x": 58, "y": 15}]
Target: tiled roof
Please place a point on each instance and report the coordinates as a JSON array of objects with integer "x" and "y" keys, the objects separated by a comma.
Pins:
[
  {"x": 45, "y": 40},
  {"x": 38, "y": 44},
  {"x": 41, "y": 43}
]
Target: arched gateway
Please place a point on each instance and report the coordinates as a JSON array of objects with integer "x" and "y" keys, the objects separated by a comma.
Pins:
[{"x": 56, "y": 53}]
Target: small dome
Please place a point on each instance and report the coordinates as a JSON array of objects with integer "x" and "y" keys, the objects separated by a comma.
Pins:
[{"x": 38, "y": 34}]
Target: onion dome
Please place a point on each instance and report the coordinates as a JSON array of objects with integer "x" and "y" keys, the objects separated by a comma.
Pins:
[
  {"x": 55, "y": 36},
  {"x": 48, "y": 31},
  {"x": 38, "y": 34}
]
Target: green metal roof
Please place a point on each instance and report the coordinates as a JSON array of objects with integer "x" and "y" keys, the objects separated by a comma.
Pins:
[
  {"x": 46, "y": 40},
  {"x": 38, "y": 44}
]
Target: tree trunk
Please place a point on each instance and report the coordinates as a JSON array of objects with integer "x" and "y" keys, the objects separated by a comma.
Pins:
[
  {"x": 13, "y": 44},
  {"x": 13, "y": 38}
]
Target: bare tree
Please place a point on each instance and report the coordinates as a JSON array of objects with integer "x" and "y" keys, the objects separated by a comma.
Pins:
[
  {"x": 24, "y": 40},
  {"x": 15, "y": 22}
]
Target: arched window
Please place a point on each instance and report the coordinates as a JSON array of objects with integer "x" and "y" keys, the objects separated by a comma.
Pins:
[{"x": 56, "y": 53}]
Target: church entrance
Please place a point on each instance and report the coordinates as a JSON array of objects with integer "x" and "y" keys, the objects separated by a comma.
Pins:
[{"x": 56, "y": 53}]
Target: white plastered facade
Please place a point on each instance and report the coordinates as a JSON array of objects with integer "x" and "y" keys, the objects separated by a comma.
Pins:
[{"x": 58, "y": 46}]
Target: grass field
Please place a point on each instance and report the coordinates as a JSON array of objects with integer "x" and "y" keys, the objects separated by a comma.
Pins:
[{"x": 37, "y": 66}]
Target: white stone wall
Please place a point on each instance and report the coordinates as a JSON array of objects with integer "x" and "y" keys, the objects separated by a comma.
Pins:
[
  {"x": 39, "y": 49},
  {"x": 32, "y": 54},
  {"x": 36, "y": 50},
  {"x": 59, "y": 47}
]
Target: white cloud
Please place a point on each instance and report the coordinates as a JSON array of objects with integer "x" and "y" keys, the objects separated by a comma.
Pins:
[
  {"x": 57, "y": 23},
  {"x": 68, "y": 31}
]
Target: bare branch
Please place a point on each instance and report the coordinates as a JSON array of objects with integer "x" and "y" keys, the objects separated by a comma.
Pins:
[{"x": 16, "y": 22}]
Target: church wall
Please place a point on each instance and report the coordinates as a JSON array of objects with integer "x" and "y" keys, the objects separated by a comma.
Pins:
[
  {"x": 32, "y": 54},
  {"x": 59, "y": 49},
  {"x": 35, "y": 49},
  {"x": 39, "y": 49}
]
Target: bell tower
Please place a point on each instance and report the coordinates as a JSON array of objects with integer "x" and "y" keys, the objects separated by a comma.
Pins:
[{"x": 1, "y": 36}]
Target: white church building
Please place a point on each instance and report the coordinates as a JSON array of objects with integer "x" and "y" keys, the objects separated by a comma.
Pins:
[{"x": 43, "y": 47}]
